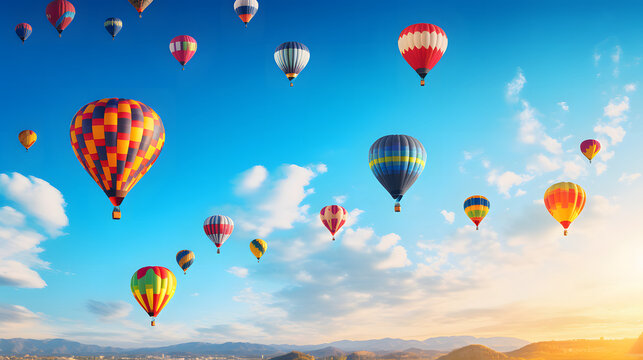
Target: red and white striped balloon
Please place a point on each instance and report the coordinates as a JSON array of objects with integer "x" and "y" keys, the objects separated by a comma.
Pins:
[
  {"x": 218, "y": 228},
  {"x": 422, "y": 46},
  {"x": 333, "y": 217}
]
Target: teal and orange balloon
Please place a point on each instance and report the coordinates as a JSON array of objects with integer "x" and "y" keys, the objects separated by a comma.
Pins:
[
  {"x": 590, "y": 148},
  {"x": 397, "y": 161},
  {"x": 185, "y": 258},
  {"x": 476, "y": 207},
  {"x": 153, "y": 287}
]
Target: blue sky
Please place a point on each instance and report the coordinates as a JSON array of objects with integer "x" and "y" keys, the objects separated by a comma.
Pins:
[{"x": 503, "y": 112}]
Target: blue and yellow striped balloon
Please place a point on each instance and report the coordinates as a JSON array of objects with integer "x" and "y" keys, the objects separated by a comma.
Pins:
[
  {"x": 113, "y": 26},
  {"x": 258, "y": 248},
  {"x": 292, "y": 57},
  {"x": 476, "y": 207},
  {"x": 397, "y": 161},
  {"x": 185, "y": 258}
]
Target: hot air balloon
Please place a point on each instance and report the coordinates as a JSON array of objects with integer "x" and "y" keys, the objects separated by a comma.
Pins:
[
  {"x": 590, "y": 148},
  {"x": 113, "y": 25},
  {"x": 27, "y": 138},
  {"x": 153, "y": 287},
  {"x": 140, "y": 5},
  {"x": 60, "y": 13},
  {"x": 183, "y": 48},
  {"x": 184, "y": 258},
  {"x": 292, "y": 57},
  {"x": 116, "y": 141},
  {"x": 565, "y": 201},
  {"x": 258, "y": 248},
  {"x": 422, "y": 46},
  {"x": 397, "y": 161},
  {"x": 23, "y": 30},
  {"x": 246, "y": 9},
  {"x": 218, "y": 228},
  {"x": 333, "y": 217},
  {"x": 476, "y": 207}
]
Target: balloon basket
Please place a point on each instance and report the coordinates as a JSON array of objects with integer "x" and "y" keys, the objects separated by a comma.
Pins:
[
  {"x": 476, "y": 227},
  {"x": 153, "y": 322},
  {"x": 333, "y": 238},
  {"x": 218, "y": 251},
  {"x": 398, "y": 208},
  {"x": 422, "y": 82},
  {"x": 565, "y": 233},
  {"x": 116, "y": 214},
  {"x": 291, "y": 84}
]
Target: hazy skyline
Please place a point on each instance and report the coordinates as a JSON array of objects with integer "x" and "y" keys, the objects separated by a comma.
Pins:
[{"x": 502, "y": 115}]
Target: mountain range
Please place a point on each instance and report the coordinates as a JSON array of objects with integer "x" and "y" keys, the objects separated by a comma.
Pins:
[{"x": 380, "y": 346}]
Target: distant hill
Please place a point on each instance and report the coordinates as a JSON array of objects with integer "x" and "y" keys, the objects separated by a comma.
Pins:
[
  {"x": 445, "y": 343},
  {"x": 328, "y": 351},
  {"x": 576, "y": 350},
  {"x": 474, "y": 352},
  {"x": 202, "y": 348},
  {"x": 412, "y": 354},
  {"x": 294, "y": 355},
  {"x": 637, "y": 348},
  {"x": 361, "y": 355},
  {"x": 52, "y": 347}
]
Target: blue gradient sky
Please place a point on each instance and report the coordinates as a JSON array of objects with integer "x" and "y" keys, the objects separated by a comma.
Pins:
[{"x": 232, "y": 109}]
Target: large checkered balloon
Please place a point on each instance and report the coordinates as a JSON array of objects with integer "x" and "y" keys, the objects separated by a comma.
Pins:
[{"x": 116, "y": 141}]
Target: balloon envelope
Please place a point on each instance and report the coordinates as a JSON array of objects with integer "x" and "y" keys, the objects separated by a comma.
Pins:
[
  {"x": 140, "y": 5},
  {"x": 590, "y": 148},
  {"x": 218, "y": 229},
  {"x": 27, "y": 138},
  {"x": 60, "y": 13},
  {"x": 116, "y": 141},
  {"x": 113, "y": 26},
  {"x": 292, "y": 57},
  {"x": 185, "y": 258},
  {"x": 476, "y": 207},
  {"x": 565, "y": 201},
  {"x": 153, "y": 287},
  {"x": 333, "y": 217},
  {"x": 397, "y": 161},
  {"x": 422, "y": 46},
  {"x": 23, "y": 30},
  {"x": 246, "y": 9},
  {"x": 258, "y": 247},
  {"x": 183, "y": 48}
]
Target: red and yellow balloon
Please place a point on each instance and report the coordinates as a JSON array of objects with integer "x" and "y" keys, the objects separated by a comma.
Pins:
[
  {"x": 27, "y": 138},
  {"x": 565, "y": 201},
  {"x": 333, "y": 217}
]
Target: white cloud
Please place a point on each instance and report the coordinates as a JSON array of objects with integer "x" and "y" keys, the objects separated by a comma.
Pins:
[
  {"x": 467, "y": 155},
  {"x": 597, "y": 58},
  {"x": 238, "y": 271},
  {"x": 340, "y": 199},
  {"x": 356, "y": 239},
  {"x": 514, "y": 87},
  {"x": 18, "y": 255},
  {"x": 486, "y": 164},
  {"x": 600, "y": 168},
  {"x": 563, "y": 105},
  {"x": 449, "y": 216},
  {"x": 629, "y": 178},
  {"x": 615, "y": 133},
  {"x": 109, "y": 310},
  {"x": 572, "y": 169},
  {"x": 252, "y": 179},
  {"x": 387, "y": 242},
  {"x": 520, "y": 192},
  {"x": 282, "y": 205},
  {"x": 396, "y": 259},
  {"x": 532, "y": 131},
  {"x": 543, "y": 164},
  {"x": 15, "y": 314},
  {"x": 506, "y": 180},
  {"x": 630, "y": 87},
  {"x": 616, "y": 55},
  {"x": 38, "y": 198},
  {"x": 11, "y": 217},
  {"x": 304, "y": 276},
  {"x": 616, "y": 107}
]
